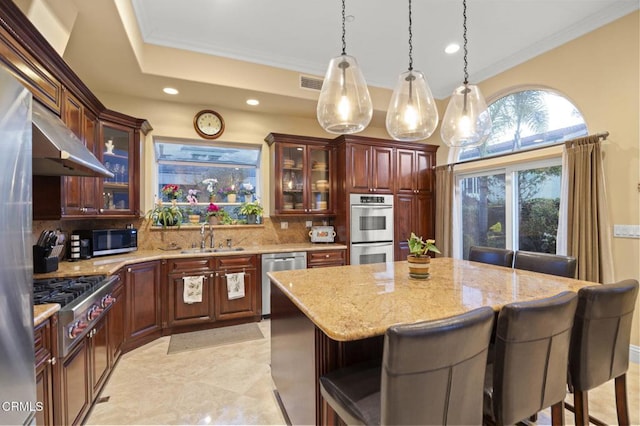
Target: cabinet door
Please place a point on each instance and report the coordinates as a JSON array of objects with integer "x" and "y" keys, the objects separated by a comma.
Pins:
[
  {"x": 404, "y": 211},
  {"x": 185, "y": 313},
  {"x": 115, "y": 317},
  {"x": 72, "y": 195},
  {"x": 117, "y": 150},
  {"x": 89, "y": 185},
  {"x": 45, "y": 363},
  {"x": 425, "y": 175},
  {"x": 75, "y": 384},
  {"x": 236, "y": 308},
  {"x": 319, "y": 179},
  {"x": 99, "y": 353},
  {"x": 359, "y": 170},
  {"x": 144, "y": 316},
  {"x": 382, "y": 169},
  {"x": 405, "y": 170},
  {"x": 424, "y": 216}
]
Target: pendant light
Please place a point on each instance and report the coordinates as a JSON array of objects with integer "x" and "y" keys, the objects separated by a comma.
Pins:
[
  {"x": 412, "y": 114},
  {"x": 344, "y": 105},
  {"x": 466, "y": 121}
]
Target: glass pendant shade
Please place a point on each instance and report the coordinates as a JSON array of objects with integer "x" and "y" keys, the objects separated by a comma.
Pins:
[
  {"x": 467, "y": 121},
  {"x": 412, "y": 114},
  {"x": 344, "y": 105}
]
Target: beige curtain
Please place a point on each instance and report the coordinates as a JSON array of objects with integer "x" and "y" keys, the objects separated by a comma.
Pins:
[
  {"x": 588, "y": 228},
  {"x": 444, "y": 209}
]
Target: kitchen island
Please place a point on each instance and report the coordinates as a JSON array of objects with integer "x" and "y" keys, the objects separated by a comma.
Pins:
[{"x": 325, "y": 319}]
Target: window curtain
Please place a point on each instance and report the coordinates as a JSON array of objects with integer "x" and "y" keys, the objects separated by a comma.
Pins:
[
  {"x": 588, "y": 229},
  {"x": 444, "y": 209}
]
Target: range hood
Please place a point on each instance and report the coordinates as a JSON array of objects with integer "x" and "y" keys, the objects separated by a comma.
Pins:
[{"x": 57, "y": 151}]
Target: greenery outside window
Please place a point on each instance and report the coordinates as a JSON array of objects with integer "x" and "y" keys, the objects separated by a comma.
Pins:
[{"x": 224, "y": 174}]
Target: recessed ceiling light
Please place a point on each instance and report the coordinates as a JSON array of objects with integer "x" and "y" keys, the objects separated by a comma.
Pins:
[
  {"x": 170, "y": 91},
  {"x": 253, "y": 102},
  {"x": 452, "y": 48}
]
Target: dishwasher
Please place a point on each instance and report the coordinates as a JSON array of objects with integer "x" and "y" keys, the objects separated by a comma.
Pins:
[{"x": 272, "y": 262}]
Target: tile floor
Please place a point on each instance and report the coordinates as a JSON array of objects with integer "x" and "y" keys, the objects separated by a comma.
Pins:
[{"x": 232, "y": 385}]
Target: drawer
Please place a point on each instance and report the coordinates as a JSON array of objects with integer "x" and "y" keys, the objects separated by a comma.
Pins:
[
  {"x": 333, "y": 257},
  {"x": 190, "y": 265},
  {"x": 232, "y": 262}
]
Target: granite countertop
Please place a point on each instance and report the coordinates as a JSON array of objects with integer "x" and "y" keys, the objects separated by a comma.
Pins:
[
  {"x": 359, "y": 301},
  {"x": 108, "y": 265},
  {"x": 42, "y": 312}
]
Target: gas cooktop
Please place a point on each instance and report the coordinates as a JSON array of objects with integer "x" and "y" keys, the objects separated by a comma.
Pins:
[{"x": 64, "y": 290}]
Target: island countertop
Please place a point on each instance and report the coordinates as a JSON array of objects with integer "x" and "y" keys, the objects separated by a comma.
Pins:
[{"x": 360, "y": 301}]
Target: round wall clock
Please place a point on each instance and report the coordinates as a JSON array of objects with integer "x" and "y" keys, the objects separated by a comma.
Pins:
[{"x": 209, "y": 124}]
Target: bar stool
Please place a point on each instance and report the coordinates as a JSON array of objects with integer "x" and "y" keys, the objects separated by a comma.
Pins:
[
  {"x": 529, "y": 371},
  {"x": 600, "y": 345},
  {"x": 491, "y": 255},
  {"x": 553, "y": 264},
  {"x": 432, "y": 372}
]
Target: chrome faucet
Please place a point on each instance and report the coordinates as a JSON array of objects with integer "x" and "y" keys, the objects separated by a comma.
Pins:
[
  {"x": 202, "y": 239},
  {"x": 210, "y": 236}
]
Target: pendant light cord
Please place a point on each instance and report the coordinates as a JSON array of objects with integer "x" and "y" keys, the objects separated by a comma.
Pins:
[
  {"x": 464, "y": 37},
  {"x": 410, "y": 40},
  {"x": 344, "y": 42}
]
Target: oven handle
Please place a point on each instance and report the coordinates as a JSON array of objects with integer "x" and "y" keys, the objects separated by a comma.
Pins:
[
  {"x": 388, "y": 243},
  {"x": 358, "y": 206}
]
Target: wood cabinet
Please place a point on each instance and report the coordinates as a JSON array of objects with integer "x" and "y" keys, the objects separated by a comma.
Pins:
[
  {"x": 143, "y": 303},
  {"x": 45, "y": 339},
  {"x": 302, "y": 175},
  {"x": 370, "y": 168},
  {"x": 179, "y": 312},
  {"x": 116, "y": 320},
  {"x": 248, "y": 306},
  {"x": 415, "y": 199},
  {"x": 321, "y": 259}
]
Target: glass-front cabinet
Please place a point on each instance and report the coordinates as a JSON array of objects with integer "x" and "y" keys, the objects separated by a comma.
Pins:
[
  {"x": 302, "y": 175},
  {"x": 118, "y": 153}
]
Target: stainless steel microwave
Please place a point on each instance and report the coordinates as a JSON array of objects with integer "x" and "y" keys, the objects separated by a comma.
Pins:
[{"x": 101, "y": 242}]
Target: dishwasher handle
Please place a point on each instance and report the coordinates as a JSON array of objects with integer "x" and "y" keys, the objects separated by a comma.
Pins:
[{"x": 283, "y": 259}]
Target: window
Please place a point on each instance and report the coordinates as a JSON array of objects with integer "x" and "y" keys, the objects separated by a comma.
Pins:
[
  {"x": 528, "y": 119},
  {"x": 515, "y": 206},
  {"x": 208, "y": 173}
]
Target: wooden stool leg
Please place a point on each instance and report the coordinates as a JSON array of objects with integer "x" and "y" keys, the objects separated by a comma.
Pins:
[
  {"x": 557, "y": 414},
  {"x": 621, "y": 400},
  {"x": 581, "y": 407}
]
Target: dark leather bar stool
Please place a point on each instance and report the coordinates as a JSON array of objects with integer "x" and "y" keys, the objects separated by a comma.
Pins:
[
  {"x": 529, "y": 370},
  {"x": 432, "y": 373},
  {"x": 600, "y": 345},
  {"x": 553, "y": 264},
  {"x": 491, "y": 255}
]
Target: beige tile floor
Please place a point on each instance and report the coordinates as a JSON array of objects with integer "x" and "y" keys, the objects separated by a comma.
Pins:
[{"x": 232, "y": 385}]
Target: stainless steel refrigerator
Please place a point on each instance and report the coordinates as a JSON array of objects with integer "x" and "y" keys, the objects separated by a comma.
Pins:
[{"x": 17, "y": 362}]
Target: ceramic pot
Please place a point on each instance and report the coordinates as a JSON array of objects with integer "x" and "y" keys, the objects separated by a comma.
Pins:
[
  {"x": 194, "y": 218},
  {"x": 419, "y": 266},
  {"x": 231, "y": 198},
  {"x": 213, "y": 220}
]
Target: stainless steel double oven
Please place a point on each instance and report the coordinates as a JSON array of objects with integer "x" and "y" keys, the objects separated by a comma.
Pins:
[{"x": 371, "y": 228}]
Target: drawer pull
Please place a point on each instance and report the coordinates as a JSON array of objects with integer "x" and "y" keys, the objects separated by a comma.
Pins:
[{"x": 52, "y": 360}]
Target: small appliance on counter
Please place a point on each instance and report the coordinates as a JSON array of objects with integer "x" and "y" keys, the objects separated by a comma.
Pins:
[
  {"x": 99, "y": 242},
  {"x": 322, "y": 234}
]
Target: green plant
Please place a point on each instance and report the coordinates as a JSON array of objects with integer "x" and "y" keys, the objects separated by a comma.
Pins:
[
  {"x": 419, "y": 247},
  {"x": 224, "y": 218},
  {"x": 251, "y": 208},
  {"x": 165, "y": 215}
]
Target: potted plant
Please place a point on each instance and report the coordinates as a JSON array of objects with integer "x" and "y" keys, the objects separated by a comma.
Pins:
[
  {"x": 192, "y": 210},
  {"x": 213, "y": 212},
  {"x": 172, "y": 191},
  {"x": 253, "y": 210},
  {"x": 229, "y": 192},
  {"x": 419, "y": 259},
  {"x": 165, "y": 215}
]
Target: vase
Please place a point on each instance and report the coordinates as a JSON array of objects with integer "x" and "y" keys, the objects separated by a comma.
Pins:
[
  {"x": 419, "y": 266},
  {"x": 231, "y": 198},
  {"x": 213, "y": 220}
]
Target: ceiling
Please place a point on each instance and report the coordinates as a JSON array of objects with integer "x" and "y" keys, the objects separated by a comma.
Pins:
[{"x": 221, "y": 52}]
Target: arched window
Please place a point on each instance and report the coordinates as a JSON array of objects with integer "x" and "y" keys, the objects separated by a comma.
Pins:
[
  {"x": 527, "y": 119},
  {"x": 515, "y": 204}
]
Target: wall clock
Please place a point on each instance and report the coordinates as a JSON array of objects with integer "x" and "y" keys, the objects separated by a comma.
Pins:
[{"x": 209, "y": 124}]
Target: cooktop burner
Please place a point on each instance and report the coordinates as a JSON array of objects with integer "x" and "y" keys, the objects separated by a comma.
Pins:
[{"x": 64, "y": 290}]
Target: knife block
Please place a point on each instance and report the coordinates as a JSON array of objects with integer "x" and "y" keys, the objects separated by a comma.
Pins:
[{"x": 41, "y": 263}]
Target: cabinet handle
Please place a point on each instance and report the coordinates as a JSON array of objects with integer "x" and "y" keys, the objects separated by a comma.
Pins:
[
  {"x": 52, "y": 360},
  {"x": 129, "y": 270},
  {"x": 101, "y": 210},
  {"x": 210, "y": 275},
  {"x": 326, "y": 255}
]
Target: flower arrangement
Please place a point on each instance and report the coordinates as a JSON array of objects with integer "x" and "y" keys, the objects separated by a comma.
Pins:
[
  {"x": 246, "y": 189},
  {"x": 419, "y": 248},
  {"x": 192, "y": 197},
  {"x": 212, "y": 210},
  {"x": 227, "y": 190},
  {"x": 211, "y": 186},
  {"x": 172, "y": 191}
]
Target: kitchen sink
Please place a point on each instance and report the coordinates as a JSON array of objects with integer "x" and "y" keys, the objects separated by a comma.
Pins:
[{"x": 211, "y": 250}]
